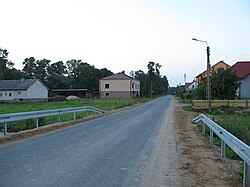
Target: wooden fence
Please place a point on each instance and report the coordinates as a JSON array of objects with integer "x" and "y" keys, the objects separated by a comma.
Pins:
[{"x": 203, "y": 104}]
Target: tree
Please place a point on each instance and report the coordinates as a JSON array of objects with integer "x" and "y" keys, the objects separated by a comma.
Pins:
[
  {"x": 7, "y": 70},
  {"x": 142, "y": 77},
  {"x": 3, "y": 61},
  {"x": 155, "y": 83},
  {"x": 29, "y": 67},
  {"x": 56, "y": 76},
  {"x": 224, "y": 84},
  {"x": 152, "y": 81},
  {"x": 41, "y": 70},
  {"x": 57, "y": 68}
]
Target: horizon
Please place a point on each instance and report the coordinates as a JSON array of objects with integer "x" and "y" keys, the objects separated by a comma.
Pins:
[{"x": 126, "y": 35}]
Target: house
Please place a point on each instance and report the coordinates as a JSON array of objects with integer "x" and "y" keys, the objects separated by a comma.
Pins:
[
  {"x": 119, "y": 85},
  {"x": 242, "y": 70},
  {"x": 214, "y": 68},
  {"x": 191, "y": 85},
  {"x": 23, "y": 90}
]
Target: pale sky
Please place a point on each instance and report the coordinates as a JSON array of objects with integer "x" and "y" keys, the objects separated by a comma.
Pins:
[{"x": 127, "y": 34}]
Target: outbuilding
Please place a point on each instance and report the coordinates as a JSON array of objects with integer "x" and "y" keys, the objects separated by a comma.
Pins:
[{"x": 23, "y": 90}]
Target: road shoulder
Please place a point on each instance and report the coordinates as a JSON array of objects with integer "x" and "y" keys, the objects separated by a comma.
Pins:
[{"x": 183, "y": 157}]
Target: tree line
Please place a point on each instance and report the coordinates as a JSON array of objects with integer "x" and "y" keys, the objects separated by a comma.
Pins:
[{"x": 77, "y": 74}]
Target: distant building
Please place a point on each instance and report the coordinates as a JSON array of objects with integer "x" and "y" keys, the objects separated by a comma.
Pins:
[
  {"x": 81, "y": 93},
  {"x": 119, "y": 85},
  {"x": 214, "y": 68},
  {"x": 242, "y": 70},
  {"x": 191, "y": 85},
  {"x": 23, "y": 90}
]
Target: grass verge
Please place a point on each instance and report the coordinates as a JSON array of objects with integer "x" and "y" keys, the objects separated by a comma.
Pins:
[{"x": 104, "y": 104}]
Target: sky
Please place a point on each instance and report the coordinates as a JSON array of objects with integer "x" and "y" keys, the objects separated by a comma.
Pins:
[{"x": 127, "y": 34}]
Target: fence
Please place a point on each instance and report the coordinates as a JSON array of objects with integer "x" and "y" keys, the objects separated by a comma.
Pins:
[
  {"x": 239, "y": 147},
  {"x": 5, "y": 118},
  {"x": 203, "y": 104}
]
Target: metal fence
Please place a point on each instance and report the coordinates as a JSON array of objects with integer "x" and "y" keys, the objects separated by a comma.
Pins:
[
  {"x": 239, "y": 147},
  {"x": 5, "y": 118}
]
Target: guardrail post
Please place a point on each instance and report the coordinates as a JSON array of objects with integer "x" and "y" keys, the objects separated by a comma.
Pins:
[
  {"x": 211, "y": 136},
  {"x": 203, "y": 129},
  {"x": 59, "y": 120},
  {"x": 5, "y": 128},
  {"x": 74, "y": 116},
  {"x": 223, "y": 149},
  {"x": 246, "y": 177},
  {"x": 37, "y": 123}
]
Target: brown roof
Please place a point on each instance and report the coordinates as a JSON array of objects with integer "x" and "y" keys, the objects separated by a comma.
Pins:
[
  {"x": 242, "y": 69},
  {"x": 117, "y": 76},
  {"x": 220, "y": 62}
]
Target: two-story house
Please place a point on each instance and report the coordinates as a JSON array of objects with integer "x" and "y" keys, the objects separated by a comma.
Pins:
[{"x": 119, "y": 85}]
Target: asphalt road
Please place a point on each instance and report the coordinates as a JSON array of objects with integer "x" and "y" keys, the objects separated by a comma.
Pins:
[{"x": 111, "y": 151}]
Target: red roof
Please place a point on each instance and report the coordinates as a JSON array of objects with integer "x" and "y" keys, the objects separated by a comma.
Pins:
[
  {"x": 242, "y": 69},
  {"x": 188, "y": 84}
]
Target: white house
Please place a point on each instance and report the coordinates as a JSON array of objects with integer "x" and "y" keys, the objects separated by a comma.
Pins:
[
  {"x": 191, "y": 85},
  {"x": 23, "y": 90},
  {"x": 119, "y": 85}
]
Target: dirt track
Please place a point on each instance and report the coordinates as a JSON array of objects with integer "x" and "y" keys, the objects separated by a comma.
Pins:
[{"x": 183, "y": 157}]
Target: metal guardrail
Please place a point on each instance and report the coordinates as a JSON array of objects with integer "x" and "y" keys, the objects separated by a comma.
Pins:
[
  {"x": 239, "y": 147},
  {"x": 5, "y": 118}
]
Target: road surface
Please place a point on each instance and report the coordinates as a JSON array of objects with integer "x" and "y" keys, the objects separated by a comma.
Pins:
[{"x": 111, "y": 151}]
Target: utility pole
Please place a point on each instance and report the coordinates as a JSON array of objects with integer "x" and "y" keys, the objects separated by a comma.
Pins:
[
  {"x": 208, "y": 79},
  {"x": 208, "y": 74}
]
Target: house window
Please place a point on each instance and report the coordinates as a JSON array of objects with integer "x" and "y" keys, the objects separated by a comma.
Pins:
[
  {"x": 19, "y": 92},
  {"x": 1, "y": 94},
  {"x": 107, "y": 94},
  {"x": 107, "y": 86},
  {"x": 10, "y": 94}
]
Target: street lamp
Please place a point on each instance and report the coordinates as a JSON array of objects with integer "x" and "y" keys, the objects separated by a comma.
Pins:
[{"x": 208, "y": 74}]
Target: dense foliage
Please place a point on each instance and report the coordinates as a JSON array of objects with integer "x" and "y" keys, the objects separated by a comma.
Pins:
[
  {"x": 152, "y": 83},
  {"x": 7, "y": 70},
  {"x": 72, "y": 74},
  {"x": 224, "y": 84},
  {"x": 77, "y": 74}
]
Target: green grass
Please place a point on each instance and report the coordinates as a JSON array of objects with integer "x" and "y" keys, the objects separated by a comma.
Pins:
[
  {"x": 104, "y": 104},
  {"x": 235, "y": 121}
]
